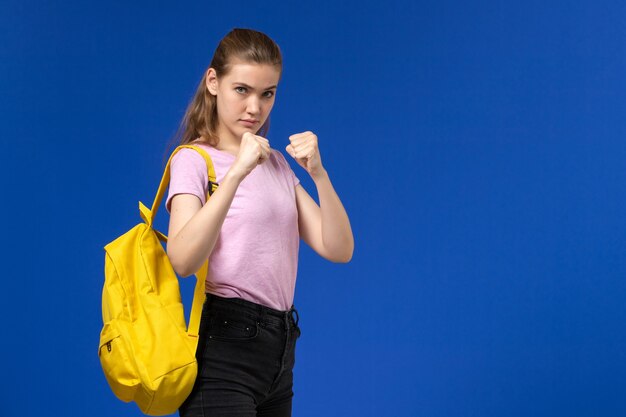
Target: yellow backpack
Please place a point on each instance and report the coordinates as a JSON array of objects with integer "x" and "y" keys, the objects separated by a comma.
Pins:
[{"x": 147, "y": 353}]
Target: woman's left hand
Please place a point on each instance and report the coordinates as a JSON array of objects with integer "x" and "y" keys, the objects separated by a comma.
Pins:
[{"x": 304, "y": 149}]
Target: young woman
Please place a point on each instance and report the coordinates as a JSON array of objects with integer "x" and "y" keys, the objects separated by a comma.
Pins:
[{"x": 249, "y": 230}]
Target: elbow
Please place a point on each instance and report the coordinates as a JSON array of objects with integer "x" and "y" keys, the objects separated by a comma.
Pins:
[
  {"x": 348, "y": 252},
  {"x": 181, "y": 270},
  {"x": 347, "y": 257},
  {"x": 343, "y": 259},
  {"x": 341, "y": 251},
  {"x": 179, "y": 265},
  {"x": 344, "y": 256}
]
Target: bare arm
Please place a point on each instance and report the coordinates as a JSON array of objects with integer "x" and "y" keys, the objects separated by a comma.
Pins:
[
  {"x": 193, "y": 228},
  {"x": 325, "y": 228}
]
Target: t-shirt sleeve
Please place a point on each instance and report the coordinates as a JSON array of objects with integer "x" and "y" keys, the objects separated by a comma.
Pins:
[
  {"x": 287, "y": 169},
  {"x": 188, "y": 175}
]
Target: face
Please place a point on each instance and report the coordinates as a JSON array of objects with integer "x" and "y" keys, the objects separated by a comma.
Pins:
[{"x": 245, "y": 97}]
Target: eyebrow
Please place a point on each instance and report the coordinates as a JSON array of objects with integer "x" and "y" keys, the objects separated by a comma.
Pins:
[{"x": 252, "y": 88}]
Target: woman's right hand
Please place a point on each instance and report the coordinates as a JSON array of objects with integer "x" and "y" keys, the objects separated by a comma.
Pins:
[{"x": 254, "y": 150}]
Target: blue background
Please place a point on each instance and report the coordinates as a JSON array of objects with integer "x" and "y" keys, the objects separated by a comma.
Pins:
[{"x": 477, "y": 146}]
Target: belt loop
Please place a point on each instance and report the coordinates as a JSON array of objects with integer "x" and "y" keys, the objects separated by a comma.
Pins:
[
  {"x": 292, "y": 312},
  {"x": 286, "y": 318}
]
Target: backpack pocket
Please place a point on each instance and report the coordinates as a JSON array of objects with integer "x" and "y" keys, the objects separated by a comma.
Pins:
[{"x": 119, "y": 369}]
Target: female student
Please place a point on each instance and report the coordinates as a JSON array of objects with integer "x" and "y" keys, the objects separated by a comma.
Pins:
[{"x": 249, "y": 230}]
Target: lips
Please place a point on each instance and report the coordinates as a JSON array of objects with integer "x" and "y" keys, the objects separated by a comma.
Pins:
[{"x": 249, "y": 122}]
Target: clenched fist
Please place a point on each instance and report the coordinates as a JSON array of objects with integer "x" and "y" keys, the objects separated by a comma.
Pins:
[
  {"x": 304, "y": 149},
  {"x": 254, "y": 150}
]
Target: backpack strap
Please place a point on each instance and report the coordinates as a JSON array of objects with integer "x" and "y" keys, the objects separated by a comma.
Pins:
[
  {"x": 149, "y": 215},
  {"x": 165, "y": 180}
]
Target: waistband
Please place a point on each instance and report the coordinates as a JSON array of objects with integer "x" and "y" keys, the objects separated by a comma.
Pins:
[{"x": 257, "y": 310}]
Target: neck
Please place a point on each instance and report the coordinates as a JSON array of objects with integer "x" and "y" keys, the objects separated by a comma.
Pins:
[{"x": 228, "y": 142}]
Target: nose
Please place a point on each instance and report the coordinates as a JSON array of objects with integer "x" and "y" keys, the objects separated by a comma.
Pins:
[{"x": 253, "y": 106}]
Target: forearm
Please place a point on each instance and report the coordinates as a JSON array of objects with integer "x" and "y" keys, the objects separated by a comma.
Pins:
[
  {"x": 193, "y": 244},
  {"x": 337, "y": 237}
]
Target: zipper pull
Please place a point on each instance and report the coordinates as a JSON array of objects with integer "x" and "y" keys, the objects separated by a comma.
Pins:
[{"x": 109, "y": 346}]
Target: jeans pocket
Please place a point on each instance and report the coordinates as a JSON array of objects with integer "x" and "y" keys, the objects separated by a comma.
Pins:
[{"x": 226, "y": 327}]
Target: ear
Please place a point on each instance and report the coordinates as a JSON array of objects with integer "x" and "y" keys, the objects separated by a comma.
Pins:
[{"x": 211, "y": 81}]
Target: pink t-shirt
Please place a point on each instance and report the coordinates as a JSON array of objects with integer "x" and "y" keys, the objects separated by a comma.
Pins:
[{"x": 256, "y": 253}]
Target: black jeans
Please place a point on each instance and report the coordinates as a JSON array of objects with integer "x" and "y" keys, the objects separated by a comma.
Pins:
[{"x": 246, "y": 355}]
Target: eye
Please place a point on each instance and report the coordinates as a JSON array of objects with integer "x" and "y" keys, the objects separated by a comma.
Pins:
[
  {"x": 268, "y": 94},
  {"x": 241, "y": 90}
]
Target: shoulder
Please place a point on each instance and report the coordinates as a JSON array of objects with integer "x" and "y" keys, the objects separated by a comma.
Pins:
[
  {"x": 188, "y": 155},
  {"x": 196, "y": 158},
  {"x": 187, "y": 164},
  {"x": 282, "y": 166},
  {"x": 277, "y": 156}
]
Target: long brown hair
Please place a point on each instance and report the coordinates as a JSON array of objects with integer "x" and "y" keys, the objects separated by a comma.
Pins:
[{"x": 250, "y": 46}]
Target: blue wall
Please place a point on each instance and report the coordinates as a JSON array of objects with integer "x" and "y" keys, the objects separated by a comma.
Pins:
[{"x": 478, "y": 148}]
